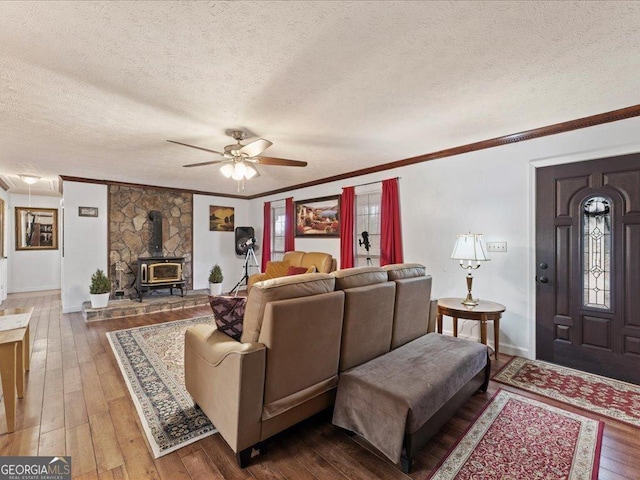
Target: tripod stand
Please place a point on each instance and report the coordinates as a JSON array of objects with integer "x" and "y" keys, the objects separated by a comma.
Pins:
[{"x": 250, "y": 260}]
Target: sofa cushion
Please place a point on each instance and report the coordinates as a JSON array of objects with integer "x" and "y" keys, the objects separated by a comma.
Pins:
[
  {"x": 322, "y": 261},
  {"x": 368, "y": 323},
  {"x": 294, "y": 257},
  {"x": 300, "y": 270},
  {"x": 228, "y": 313},
  {"x": 280, "y": 289},
  {"x": 398, "y": 271},
  {"x": 359, "y": 277},
  {"x": 398, "y": 392},
  {"x": 276, "y": 269}
]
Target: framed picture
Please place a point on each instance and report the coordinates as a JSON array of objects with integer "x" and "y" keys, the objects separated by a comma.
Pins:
[
  {"x": 221, "y": 219},
  {"x": 87, "y": 211},
  {"x": 318, "y": 217},
  {"x": 36, "y": 228}
]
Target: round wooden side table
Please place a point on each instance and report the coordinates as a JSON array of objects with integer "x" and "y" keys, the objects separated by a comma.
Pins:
[{"x": 484, "y": 312}]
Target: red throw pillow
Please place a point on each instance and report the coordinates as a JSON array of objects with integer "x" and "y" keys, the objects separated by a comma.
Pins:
[
  {"x": 296, "y": 270},
  {"x": 229, "y": 314}
]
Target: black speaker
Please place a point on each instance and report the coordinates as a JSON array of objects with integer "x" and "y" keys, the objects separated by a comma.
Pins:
[{"x": 243, "y": 234}]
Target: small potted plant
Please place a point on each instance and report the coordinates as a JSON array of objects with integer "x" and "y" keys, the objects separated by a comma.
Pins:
[
  {"x": 215, "y": 280},
  {"x": 99, "y": 289}
]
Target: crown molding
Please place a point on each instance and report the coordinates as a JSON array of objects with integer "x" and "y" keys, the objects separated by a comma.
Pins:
[
  {"x": 69, "y": 178},
  {"x": 562, "y": 127},
  {"x": 585, "y": 122}
]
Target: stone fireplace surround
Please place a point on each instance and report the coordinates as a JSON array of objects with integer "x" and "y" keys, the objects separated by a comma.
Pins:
[{"x": 129, "y": 229}]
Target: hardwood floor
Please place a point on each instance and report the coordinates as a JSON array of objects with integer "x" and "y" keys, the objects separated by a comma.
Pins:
[{"x": 77, "y": 404}]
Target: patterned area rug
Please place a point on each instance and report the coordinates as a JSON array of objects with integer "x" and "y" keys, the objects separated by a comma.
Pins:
[
  {"x": 151, "y": 359},
  {"x": 517, "y": 438},
  {"x": 607, "y": 397}
]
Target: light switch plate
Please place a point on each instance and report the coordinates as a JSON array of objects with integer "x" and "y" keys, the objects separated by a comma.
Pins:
[{"x": 497, "y": 246}]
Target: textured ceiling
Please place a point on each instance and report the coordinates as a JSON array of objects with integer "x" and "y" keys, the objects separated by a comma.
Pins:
[{"x": 93, "y": 89}]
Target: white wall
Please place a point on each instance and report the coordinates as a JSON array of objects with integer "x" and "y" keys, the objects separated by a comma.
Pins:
[
  {"x": 489, "y": 192},
  {"x": 85, "y": 242},
  {"x": 32, "y": 270},
  {"x": 210, "y": 248}
]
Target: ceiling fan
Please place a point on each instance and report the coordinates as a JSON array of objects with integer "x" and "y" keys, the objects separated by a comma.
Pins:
[{"x": 240, "y": 160}]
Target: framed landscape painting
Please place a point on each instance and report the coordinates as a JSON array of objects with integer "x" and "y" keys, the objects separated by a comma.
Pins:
[
  {"x": 221, "y": 219},
  {"x": 318, "y": 217}
]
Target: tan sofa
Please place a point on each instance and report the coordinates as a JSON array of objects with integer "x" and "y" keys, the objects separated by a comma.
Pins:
[
  {"x": 299, "y": 334},
  {"x": 323, "y": 263}
]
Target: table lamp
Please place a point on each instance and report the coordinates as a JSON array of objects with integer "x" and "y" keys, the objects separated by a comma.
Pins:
[{"x": 470, "y": 250}]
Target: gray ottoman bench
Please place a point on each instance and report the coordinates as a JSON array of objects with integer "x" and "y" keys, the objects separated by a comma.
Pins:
[{"x": 399, "y": 400}]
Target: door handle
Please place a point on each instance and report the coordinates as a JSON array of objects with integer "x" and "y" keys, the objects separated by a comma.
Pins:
[{"x": 543, "y": 280}]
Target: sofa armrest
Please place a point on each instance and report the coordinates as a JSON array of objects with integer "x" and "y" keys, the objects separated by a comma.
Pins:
[
  {"x": 226, "y": 379},
  {"x": 213, "y": 346}
]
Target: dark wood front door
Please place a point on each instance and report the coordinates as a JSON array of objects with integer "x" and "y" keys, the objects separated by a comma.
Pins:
[{"x": 588, "y": 266}]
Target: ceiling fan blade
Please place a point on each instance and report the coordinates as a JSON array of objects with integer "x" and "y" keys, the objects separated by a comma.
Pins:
[
  {"x": 280, "y": 161},
  {"x": 256, "y": 147},
  {"x": 202, "y": 164},
  {"x": 193, "y": 146}
]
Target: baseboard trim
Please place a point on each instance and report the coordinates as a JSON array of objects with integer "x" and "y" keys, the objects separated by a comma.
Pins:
[
  {"x": 505, "y": 348},
  {"x": 72, "y": 308},
  {"x": 35, "y": 289}
]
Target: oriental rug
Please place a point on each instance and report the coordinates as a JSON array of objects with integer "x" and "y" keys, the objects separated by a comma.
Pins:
[
  {"x": 516, "y": 437},
  {"x": 605, "y": 396},
  {"x": 151, "y": 359}
]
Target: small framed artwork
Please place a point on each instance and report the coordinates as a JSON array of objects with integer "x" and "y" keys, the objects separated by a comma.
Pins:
[
  {"x": 221, "y": 219},
  {"x": 36, "y": 228},
  {"x": 87, "y": 211},
  {"x": 318, "y": 217}
]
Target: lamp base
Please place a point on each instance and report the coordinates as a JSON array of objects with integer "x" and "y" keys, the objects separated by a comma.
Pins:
[{"x": 469, "y": 301}]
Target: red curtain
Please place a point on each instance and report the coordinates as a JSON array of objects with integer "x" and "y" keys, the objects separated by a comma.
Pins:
[
  {"x": 391, "y": 231},
  {"x": 347, "y": 218},
  {"x": 289, "y": 226},
  {"x": 266, "y": 236}
]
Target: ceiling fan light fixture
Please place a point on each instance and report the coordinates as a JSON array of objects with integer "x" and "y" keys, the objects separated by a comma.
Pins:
[
  {"x": 239, "y": 170},
  {"x": 227, "y": 169},
  {"x": 29, "y": 179},
  {"x": 239, "y": 161},
  {"x": 251, "y": 172}
]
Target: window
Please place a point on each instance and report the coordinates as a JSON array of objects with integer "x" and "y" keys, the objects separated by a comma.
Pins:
[
  {"x": 368, "y": 226},
  {"x": 277, "y": 235},
  {"x": 596, "y": 237}
]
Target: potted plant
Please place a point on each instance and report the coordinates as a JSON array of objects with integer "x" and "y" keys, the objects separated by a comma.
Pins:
[
  {"x": 215, "y": 280},
  {"x": 99, "y": 289}
]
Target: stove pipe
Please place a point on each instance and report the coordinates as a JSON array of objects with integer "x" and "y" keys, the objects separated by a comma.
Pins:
[{"x": 155, "y": 241}]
